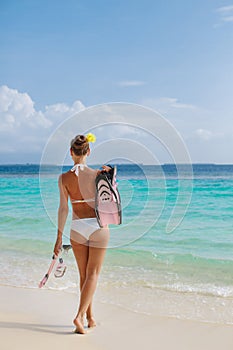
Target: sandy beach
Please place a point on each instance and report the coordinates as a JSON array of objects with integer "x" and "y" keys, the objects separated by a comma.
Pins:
[{"x": 41, "y": 319}]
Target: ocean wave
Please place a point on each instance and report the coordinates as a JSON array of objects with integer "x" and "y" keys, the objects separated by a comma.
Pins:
[
  {"x": 191, "y": 242},
  {"x": 151, "y": 255},
  {"x": 16, "y": 220},
  {"x": 195, "y": 288}
]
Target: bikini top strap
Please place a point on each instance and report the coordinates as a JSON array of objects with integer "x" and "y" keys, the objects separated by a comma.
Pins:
[
  {"x": 88, "y": 200},
  {"x": 76, "y": 168}
]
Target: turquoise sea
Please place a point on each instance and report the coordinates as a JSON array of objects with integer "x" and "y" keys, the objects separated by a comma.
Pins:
[{"x": 187, "y": 273}]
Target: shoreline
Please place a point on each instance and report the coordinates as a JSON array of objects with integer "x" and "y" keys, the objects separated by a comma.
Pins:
[
  {"x": 34, "y": 318},
  {"x": 145, "y": 299}
]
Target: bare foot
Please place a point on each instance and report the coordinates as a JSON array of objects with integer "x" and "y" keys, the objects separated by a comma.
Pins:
[
  {"x": 91, "y": 322},
  {"x": 78, "y": 322}
]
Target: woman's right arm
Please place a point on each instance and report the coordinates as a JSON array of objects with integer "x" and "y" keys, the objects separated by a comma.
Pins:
[{"x": 62, "y": 214}]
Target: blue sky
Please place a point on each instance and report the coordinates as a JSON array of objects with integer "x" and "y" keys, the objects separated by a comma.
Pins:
[{"x": 173, "y": 56}]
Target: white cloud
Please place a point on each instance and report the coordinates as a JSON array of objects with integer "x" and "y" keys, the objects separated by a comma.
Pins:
[
  {"x": 118, "y": 124},
  {"x": 128, "y": 83},
  {"x": 206, "y": 135},
  {"x": 226, "y": 13},
  {"x": 61, "y": 111},
  {"x": 228, "y": 19},
  {"x": 22, "y": 127},
  {"x": 166, "y": 105},
  {"x": 225, "y": 9},
  {"x": 24, "y": 130},
  {"x": 199, "y": 127},
  {"x": 17, "y": 111}
]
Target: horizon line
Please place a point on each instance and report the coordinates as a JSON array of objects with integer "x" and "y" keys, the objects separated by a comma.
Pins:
[{"x": 61, "y": 165}]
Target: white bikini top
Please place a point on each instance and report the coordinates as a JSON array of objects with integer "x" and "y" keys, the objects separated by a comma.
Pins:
[{"x": 75, "y": 169}]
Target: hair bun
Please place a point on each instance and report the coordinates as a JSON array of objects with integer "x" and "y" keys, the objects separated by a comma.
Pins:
[{"x": 79, "y": 140}]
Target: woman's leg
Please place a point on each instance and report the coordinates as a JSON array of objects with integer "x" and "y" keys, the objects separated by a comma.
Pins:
[
  {"x": 97, "y": 248},
  {"x": 81, "y": 252}
]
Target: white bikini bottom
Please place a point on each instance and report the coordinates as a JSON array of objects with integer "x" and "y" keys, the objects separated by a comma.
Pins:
[{"x": 85, "y": 227}]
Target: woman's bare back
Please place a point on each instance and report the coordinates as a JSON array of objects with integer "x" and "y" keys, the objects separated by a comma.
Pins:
[{"x": 81, "y": 187}]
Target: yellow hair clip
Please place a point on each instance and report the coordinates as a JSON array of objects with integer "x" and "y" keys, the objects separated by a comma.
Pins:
[{"x": 90, "y": 137}]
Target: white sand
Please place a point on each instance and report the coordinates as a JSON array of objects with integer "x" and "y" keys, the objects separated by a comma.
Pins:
[{"x": 42, "y": 319}]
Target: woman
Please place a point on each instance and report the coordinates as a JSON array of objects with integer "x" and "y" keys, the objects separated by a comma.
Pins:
[{"x": 88, "y": 240}]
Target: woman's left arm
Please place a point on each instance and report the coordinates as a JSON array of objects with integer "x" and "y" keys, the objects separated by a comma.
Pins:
[
  {"x": 105, "y": 168},
  {"x": 62, "y": 214}
]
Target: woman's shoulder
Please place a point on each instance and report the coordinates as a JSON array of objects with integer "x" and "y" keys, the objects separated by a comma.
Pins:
[
  {"x": 91, "y": 170},
  {"x": 65, "y": 176},
  {"x": 71, "y": 175}
]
